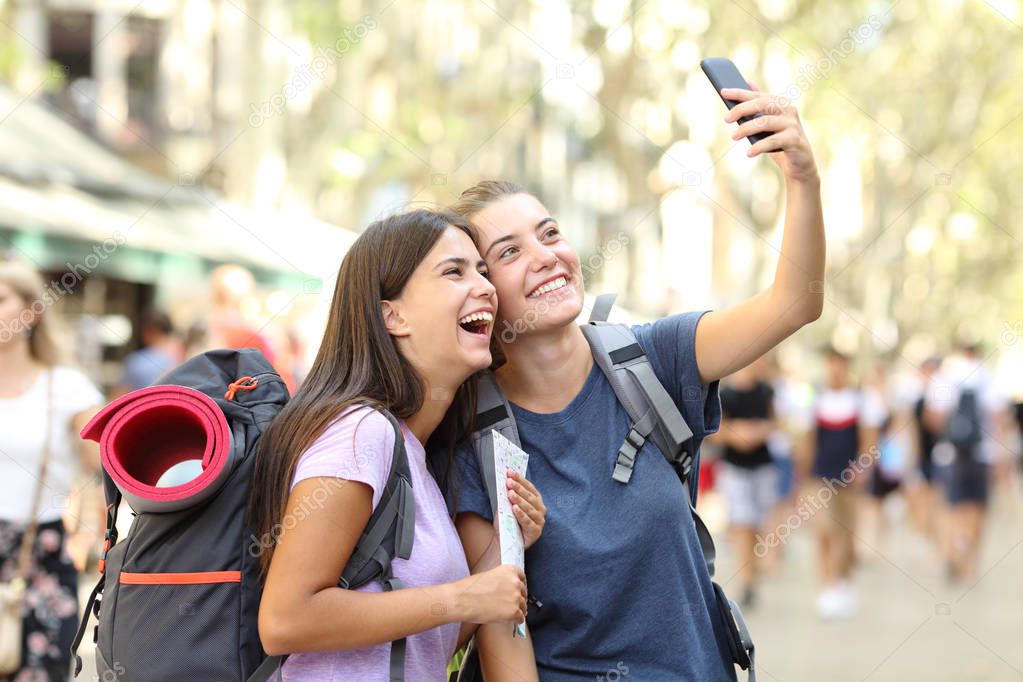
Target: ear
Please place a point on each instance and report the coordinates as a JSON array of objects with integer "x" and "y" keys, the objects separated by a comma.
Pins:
[{"x": 395, "y": 323}]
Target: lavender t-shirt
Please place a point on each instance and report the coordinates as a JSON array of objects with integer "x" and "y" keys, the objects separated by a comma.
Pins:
[{"x": 358, "y": 447}]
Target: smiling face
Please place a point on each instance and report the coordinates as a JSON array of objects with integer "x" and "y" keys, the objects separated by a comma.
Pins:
[
  {"x": 443, "y": 317},
  {"x": 536, "y": 272}
]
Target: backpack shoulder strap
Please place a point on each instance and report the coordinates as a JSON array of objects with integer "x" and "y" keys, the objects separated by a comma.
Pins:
[
  {"x": 652, "y": 411},
  {"x": 493, "y": 413},
  {"x": 388, "y": 535},
  {"x": 390, "y": 530}
]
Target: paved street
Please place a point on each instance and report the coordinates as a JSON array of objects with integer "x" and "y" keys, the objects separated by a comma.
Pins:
[{"x": 910, "y": 624}]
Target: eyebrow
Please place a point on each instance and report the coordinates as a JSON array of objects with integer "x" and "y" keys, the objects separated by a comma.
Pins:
[
  {"x": 464, "y": 262},
  {"x": 510, "y": 237}
]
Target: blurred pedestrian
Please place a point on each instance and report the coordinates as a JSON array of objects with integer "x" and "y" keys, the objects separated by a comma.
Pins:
[
  {"x": 888, "y": 470},
  {"x": 970, "y": 415},
  {"x": 232, "y": 290},
  {"x": 160, "y": 351},
  {"x": 791, "y": 407},
  {"x": 748, "y": 476},
  {"x": 43, "y": 404},
  {"x": 922, "y": 490},
  {"x": 847, "y": 420}
]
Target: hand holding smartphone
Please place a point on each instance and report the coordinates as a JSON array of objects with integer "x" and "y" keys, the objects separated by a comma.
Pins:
[{"x": 724, "y": 74}]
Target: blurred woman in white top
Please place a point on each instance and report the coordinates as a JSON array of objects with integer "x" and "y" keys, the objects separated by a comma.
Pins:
[{"x": 37, "y": 390}]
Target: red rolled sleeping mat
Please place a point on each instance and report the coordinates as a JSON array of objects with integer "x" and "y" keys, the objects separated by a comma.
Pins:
[{"x": 146, "y": 432}]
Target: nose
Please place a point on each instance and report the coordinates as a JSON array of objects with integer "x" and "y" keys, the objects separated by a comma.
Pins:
[
  {"x": 484, "y": 288},
  {"x": 543, "y": 258}
]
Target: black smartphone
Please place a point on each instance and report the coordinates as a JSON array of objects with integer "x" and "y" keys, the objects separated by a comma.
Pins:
[{"x": 723, "y": 73}]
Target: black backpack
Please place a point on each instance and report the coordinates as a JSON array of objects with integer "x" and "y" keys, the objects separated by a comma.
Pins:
[
  {"x": 178, "y": 598},
  {"x": 964, "y": 429}
]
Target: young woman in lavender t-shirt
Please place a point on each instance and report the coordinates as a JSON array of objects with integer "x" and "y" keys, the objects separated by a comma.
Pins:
[{"x": 410, "y": 322}]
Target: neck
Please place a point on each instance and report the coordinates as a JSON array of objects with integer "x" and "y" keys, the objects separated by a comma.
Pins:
[
  {"x": 437, "y": 398},
  {"x": 15, "y": 360},
  {"x": 546, "y": 371}
]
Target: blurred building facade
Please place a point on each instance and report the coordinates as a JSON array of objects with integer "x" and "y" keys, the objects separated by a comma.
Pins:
[{"x": 346, "y": 109}]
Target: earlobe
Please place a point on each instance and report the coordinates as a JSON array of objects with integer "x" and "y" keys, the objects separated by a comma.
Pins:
[{"x": 393, "y": 320}]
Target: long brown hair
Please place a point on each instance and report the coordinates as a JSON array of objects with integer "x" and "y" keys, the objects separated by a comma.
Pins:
[{"x": 358, "y": 362}]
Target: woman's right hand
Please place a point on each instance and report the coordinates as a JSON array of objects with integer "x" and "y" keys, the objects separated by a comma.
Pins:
[{"x": 493, "y": 596}]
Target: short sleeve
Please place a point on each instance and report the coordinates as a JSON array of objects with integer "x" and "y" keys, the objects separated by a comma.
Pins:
[
  {"x": 468, "y": 493},
  {"x": 670, "y": 343},
  {"x": 74, "y": 392},
  {"x": 993, "y": 398},
  {"x": 356, "y": 447},
  {"x": 872, "y": 409}
]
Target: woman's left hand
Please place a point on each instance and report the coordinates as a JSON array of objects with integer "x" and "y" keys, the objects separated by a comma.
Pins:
[
  {"x": 527, "y": 504},
  {"x": 787, "y": 144}
]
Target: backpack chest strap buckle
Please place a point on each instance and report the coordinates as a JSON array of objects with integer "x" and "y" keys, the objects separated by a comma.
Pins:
[
  {"x": 627, "y": 456},
  {"x": 630, "y": 448}
]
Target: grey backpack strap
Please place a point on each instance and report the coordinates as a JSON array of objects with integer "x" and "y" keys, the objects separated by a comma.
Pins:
[
  {"x": 652, "y": 411},
  {"x": 269, "y": 670},
  {"x": 390, "y": 530},
  {"x": 602, "y": 307},
  {"x": 493, "y": 413}
]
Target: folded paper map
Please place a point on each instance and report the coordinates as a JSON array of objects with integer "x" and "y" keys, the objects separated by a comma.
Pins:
[{"x": 507, "y": 456}]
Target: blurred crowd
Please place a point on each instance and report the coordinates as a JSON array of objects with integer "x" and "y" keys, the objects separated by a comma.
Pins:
[{"x": 847, "y": 455}]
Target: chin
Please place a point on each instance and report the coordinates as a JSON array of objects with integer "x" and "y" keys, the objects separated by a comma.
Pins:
[{"x": 472, "y": 363}]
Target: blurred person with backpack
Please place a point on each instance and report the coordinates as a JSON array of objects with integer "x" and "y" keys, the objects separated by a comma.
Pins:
[
  {"x": 409, "y": 324},
  {"x": 43, "y": 403},
  {"x": 624, "y": 568},
  {"x": 970, "y": 416}
]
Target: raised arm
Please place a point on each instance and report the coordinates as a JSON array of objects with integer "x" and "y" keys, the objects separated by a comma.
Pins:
[{"x": 732, "y": 338}]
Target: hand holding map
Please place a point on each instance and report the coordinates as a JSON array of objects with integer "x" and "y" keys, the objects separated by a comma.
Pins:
[{"x": 509, "y": 456}]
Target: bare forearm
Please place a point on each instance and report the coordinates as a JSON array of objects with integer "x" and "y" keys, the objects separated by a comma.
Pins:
[
  {"x": 336, "y": 619},
  {"x": 490, "y": 558},
  {"x": 799, "y": 277},
  {"x": 505, "y": 657}
]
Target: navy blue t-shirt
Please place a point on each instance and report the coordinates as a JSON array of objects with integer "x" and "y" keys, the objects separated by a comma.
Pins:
[{"x": 618, "y": 568}]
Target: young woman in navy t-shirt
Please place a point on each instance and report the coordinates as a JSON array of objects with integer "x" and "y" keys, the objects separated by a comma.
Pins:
[{"x": 619, "y": 571}]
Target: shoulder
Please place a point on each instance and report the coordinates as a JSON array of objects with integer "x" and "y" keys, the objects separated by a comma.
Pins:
[
  {"x": 73, "y": 388},
  {"x": 70, "y": 377},
  {"x": 671, "y": 328},
  {"x": 357, "y": 445},
  {"x": 359, "y": 425}
]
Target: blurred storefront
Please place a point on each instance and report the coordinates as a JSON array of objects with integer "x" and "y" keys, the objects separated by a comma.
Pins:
[{"x": 69, "y": 205}]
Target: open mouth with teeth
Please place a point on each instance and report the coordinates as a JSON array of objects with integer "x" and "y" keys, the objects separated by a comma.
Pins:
[
  {"x": 477, "y": 323},
  {"x": 547, "y": 287}
]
